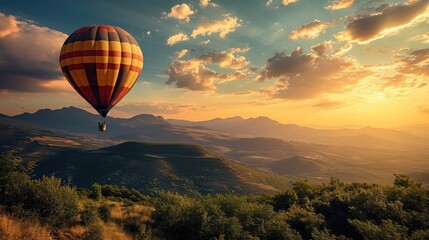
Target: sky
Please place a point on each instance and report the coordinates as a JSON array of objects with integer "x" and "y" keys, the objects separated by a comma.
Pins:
[{"x": 307, "y": 62}]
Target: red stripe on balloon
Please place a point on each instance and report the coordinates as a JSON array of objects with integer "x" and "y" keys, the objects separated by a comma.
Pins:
[
  {"x": 122, "y": 93},
  {"x": 89, "y": 53},
  {"x": 105, "y": 94},
  {"x": 88, "y": 94}
]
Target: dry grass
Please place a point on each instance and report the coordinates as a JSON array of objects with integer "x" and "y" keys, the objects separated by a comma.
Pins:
[
  {"x": 12, "y": 229},
  {"x": 114, "y": 232},
  {"x": 74, "y": 232},
  {"x": 121, "y": 212}
]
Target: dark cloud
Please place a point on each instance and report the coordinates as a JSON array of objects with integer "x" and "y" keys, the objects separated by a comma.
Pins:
[
  {"x": 321, "y": 49},
  {"x": 370, "y": 26},
  {"x": 308, "y": 75},
  {"x": 29, "y": 56}
]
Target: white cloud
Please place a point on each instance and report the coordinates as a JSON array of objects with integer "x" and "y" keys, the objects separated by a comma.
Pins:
[
  {"x": 180, "y": 37},
  {"x": 287, "y": 2},
  {"x": 181, "y": 53},
  {"x": 223, "y": 27},
  {"x": 310, "y": 30},
  {"x": 339, "y": 4},
  {"x": 206, "y": 3},
  {"x": 180, "y": 11}
]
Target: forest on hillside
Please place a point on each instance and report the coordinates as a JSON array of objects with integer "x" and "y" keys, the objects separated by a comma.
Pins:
[{"x": 49, "y": 208}]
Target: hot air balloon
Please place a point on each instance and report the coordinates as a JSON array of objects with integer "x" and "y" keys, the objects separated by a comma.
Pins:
[{"x": 102, "y": 63}]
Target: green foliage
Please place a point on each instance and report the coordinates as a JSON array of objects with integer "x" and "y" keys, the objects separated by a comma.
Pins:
[
  {"x": 123, "y": 194},
  {"x": 335, "y": 210},
  {"x": 217, "y": 217},
  {"x": 386, "y": 230},
  {"x": 305, "y": 221},
  {"x": 285, "y": 200},
  {"x": 14, "y": 173},
  {"x": 53, "y": 203},
  {"x": 89, "y": 215}
]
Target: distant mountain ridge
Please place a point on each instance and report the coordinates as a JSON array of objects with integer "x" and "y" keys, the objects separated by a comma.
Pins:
[
  {"x": 367, "y": 137},
  {"x": 158, "y": 129},
  {"x": 48, "y": 132}
]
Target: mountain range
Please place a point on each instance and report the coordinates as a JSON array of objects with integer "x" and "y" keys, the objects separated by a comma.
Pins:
[{"x": 364, "y": 154}]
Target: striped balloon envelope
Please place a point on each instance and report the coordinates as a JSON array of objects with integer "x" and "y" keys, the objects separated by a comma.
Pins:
[{"x": 102, "y": 63}]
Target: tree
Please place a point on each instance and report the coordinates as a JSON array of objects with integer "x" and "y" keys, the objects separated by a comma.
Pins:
[{"x": 14, "y": 172}]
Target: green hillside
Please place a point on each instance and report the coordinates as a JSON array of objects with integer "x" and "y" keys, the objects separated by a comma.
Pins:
[{"x": 183, "y": 168}]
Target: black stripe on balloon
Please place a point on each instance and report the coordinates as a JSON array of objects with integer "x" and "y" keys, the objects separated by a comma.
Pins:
[
  {"x": 74, "y": 85},
  {"x": 123, "y": 70},
  {"x": 91, "y": 69}
]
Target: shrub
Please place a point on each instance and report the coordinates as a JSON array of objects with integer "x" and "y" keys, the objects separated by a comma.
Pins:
[
  {"x": 89, "y": 215},
  {"x": 52, "y": 202},
  {"x": 104, "y": 212}
]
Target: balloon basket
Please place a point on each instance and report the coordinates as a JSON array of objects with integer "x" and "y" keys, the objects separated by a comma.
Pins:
[{"x": 102, "y": 126}]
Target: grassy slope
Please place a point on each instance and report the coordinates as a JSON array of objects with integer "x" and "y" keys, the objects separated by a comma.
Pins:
[{"x": 184, "y": 168}]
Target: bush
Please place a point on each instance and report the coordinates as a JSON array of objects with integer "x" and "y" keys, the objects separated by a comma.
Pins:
[
  {"x": 104, "y": 212},
  {"x": 137, "y": 228},
  {"x": 52, "y": 202},
  {"x": 89, "y": 215}
]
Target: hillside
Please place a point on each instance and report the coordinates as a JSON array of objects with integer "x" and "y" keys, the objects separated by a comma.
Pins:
[{"x": 183, "y": 168}]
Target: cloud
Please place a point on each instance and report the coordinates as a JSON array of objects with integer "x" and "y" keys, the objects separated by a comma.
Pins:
[
  {"x": 397, "y": 80},
  {"x": 329, "y": 104},
  {"x": 195, "y": 74},
  {"x": 223, "y": 27},
  {"x": 180, "y": 37},
  {"x": 159, "y": 107},
  {"x": 386, "y": 19},
  {"x": 181, "y": 53},
  {"x": 339, "y": 4},
  {"x": 180, "y": 11},
  {"x": 204, "y": 42},
  {"x": 287, "y": 2},
  {"x": 8, "y": 25},
  {"x": 206, "y": 3},
  {"x": 416, "y": 63},
  {"x": 310, "y": 30},
  {"x": 343, "y": 49},
  {"x": 321, "y": 48},
  {"x": 308, "y": 75},
  {"x": 29, "y": 57},
  {"x": 224, "y": 59}
]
